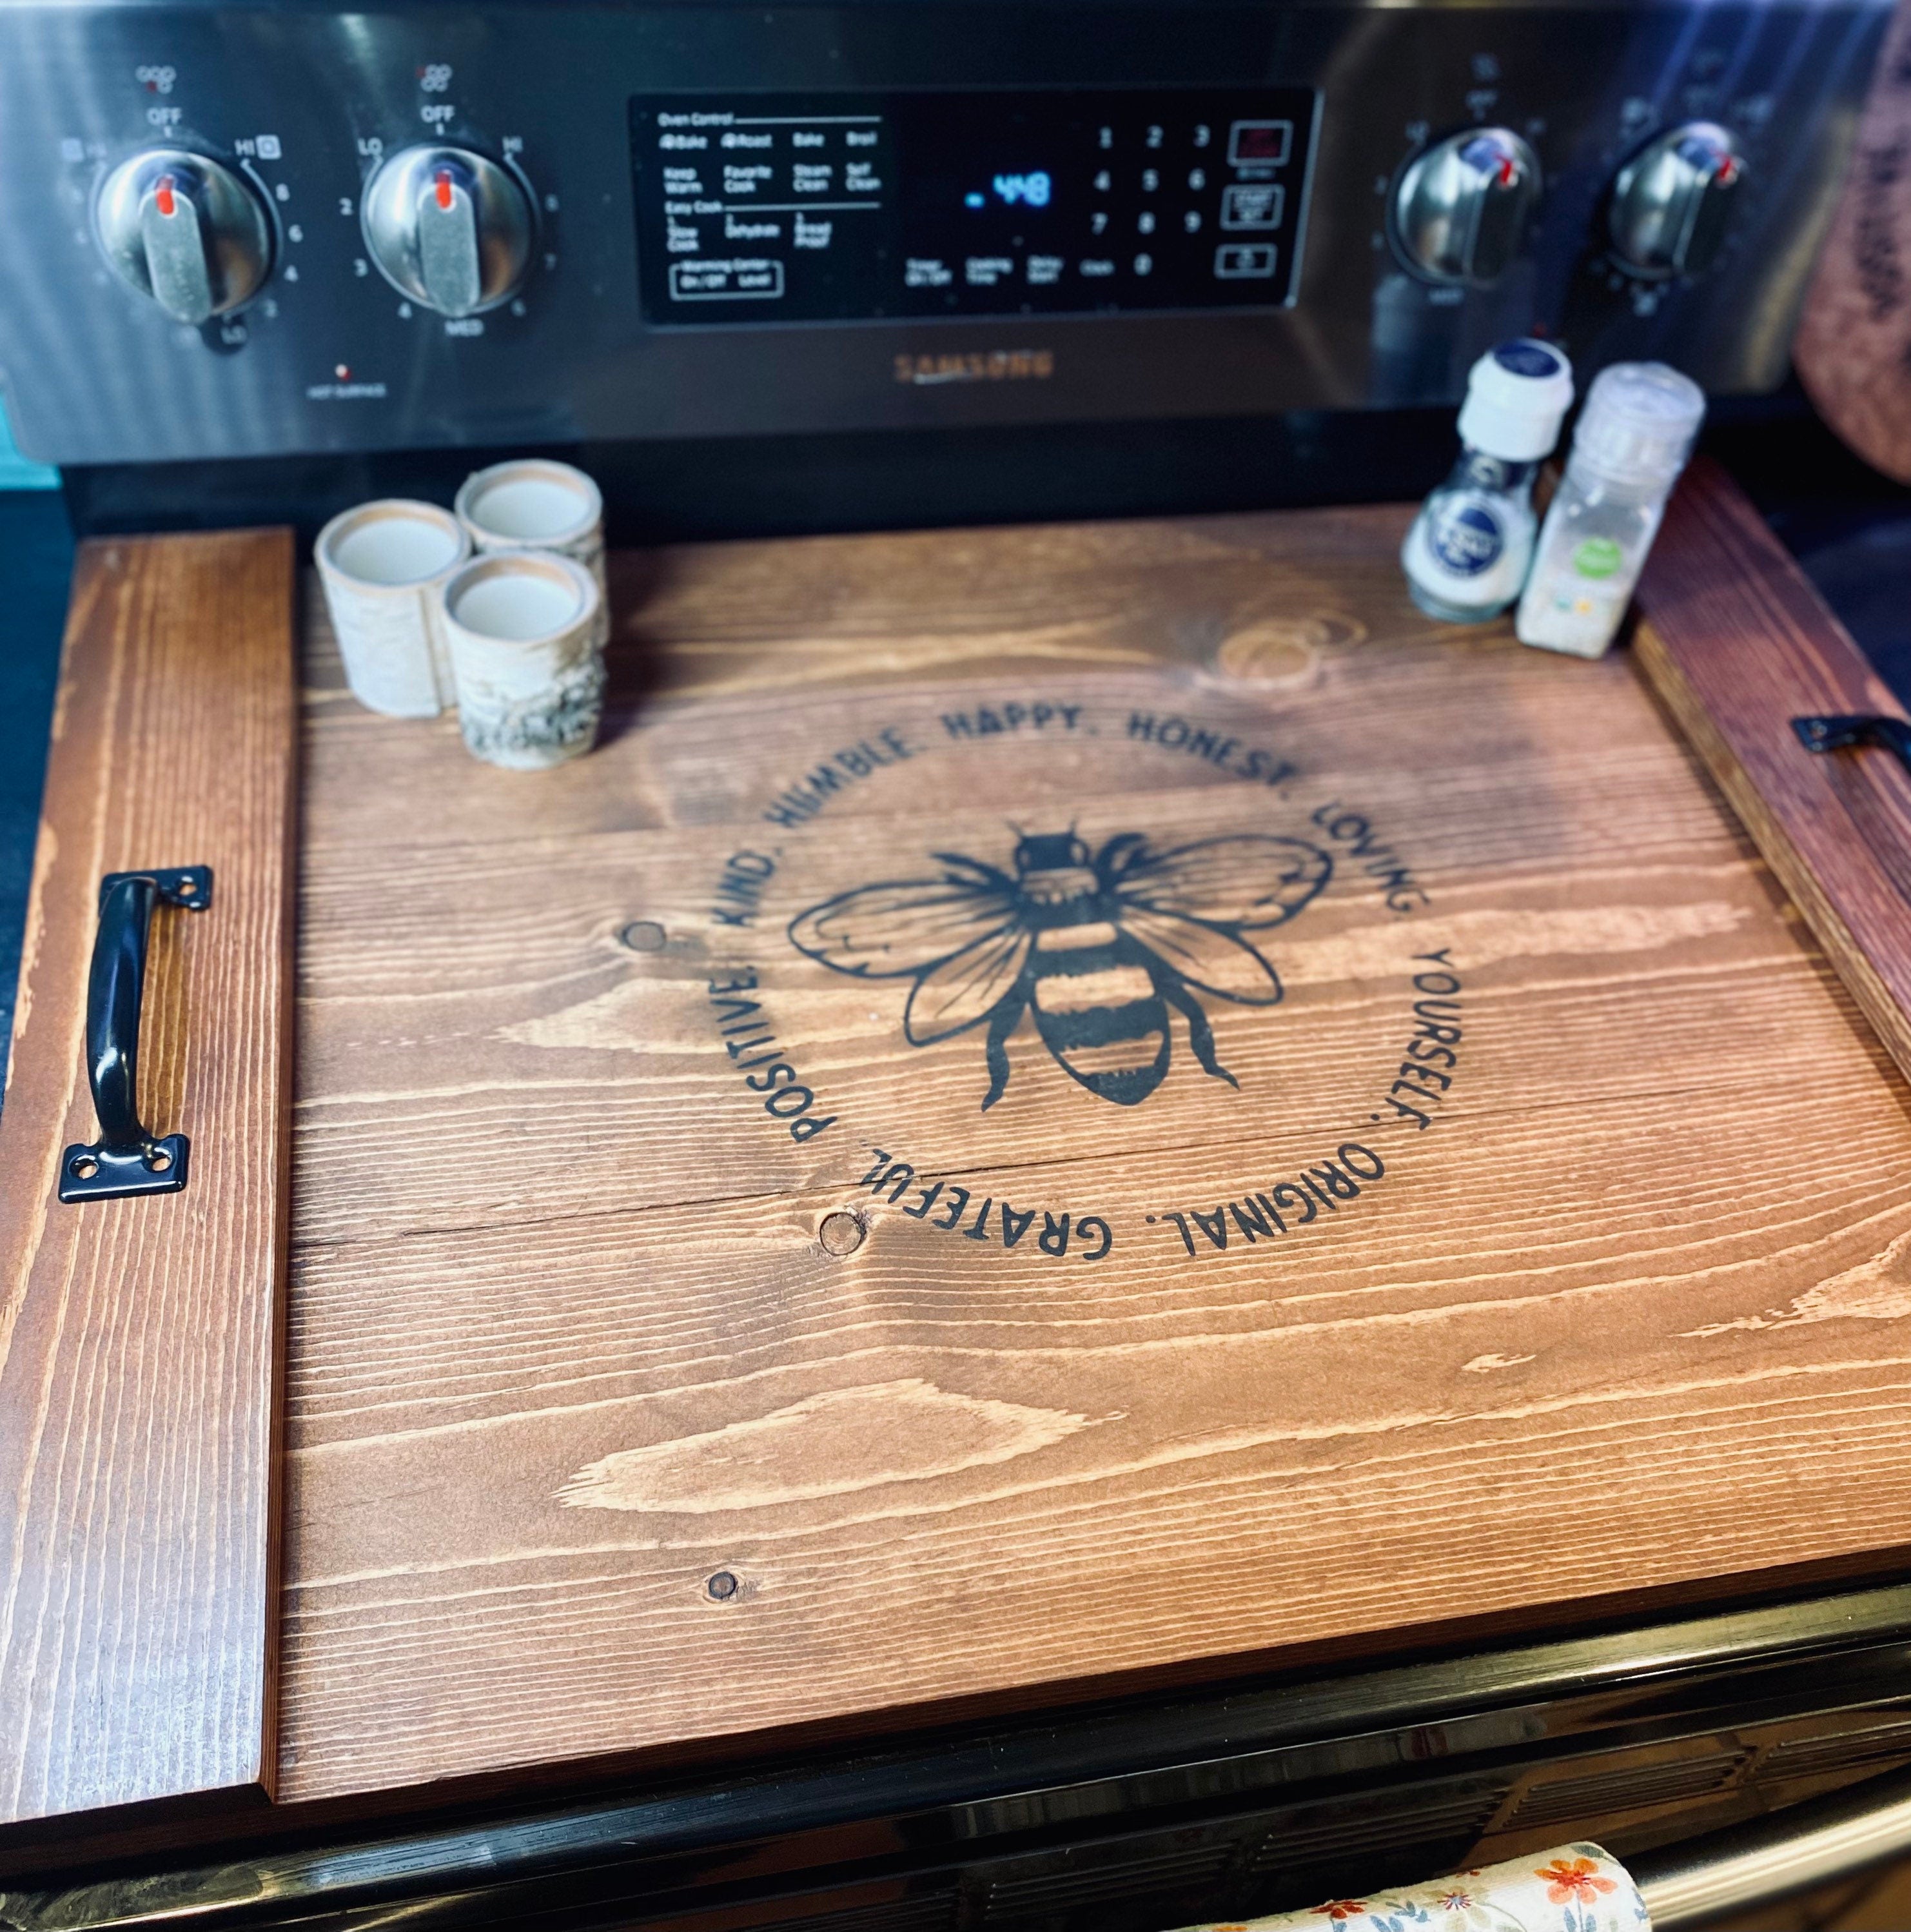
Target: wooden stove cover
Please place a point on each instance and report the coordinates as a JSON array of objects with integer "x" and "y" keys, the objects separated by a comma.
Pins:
[{"x": 1547, "y": 1248}]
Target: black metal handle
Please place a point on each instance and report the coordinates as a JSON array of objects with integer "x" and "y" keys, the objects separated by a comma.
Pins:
[
  {"x": 127, "y": 1159},
  {"x": 1844, "y": 733}
]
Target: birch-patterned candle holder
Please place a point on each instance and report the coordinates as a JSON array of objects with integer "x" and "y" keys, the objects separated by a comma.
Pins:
[
  {"x": 526, "y": 654},
  {"x": 533, "y": 504},
  {"x": 383, "y": 566}
]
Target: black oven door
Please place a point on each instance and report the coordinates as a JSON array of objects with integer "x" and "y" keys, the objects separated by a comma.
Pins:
[{"x": 1727, "y": 1758}]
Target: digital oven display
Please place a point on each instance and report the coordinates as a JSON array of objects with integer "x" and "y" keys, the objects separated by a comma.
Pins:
[{"x": 853, "y": 207}]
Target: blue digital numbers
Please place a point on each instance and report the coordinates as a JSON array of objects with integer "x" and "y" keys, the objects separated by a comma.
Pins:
[{"x": 1032, "y": 190}]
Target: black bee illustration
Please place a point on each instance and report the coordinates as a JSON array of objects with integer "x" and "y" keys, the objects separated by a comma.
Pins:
[{"x": 1100, "y": 946}]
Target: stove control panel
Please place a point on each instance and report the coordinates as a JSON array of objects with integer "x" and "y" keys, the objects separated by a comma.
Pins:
[
  {"x": 237, "y": 228},
  {"x": 854, "y": 207}
]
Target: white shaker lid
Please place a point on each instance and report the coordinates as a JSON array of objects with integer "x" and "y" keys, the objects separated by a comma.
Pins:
[
  {"x": 1517, "y": 395},
  {"x": 1638, "y": 422}
]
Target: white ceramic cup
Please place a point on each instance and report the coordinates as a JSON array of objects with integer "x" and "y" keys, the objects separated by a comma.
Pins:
[
  {"x": 522, "y": 626},
  {"x": 382, "y": 566},
  {"x": 534, "y": 504}
]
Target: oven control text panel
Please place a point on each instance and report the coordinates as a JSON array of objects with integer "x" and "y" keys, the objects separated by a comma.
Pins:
[{"x": 850, "y": 207}]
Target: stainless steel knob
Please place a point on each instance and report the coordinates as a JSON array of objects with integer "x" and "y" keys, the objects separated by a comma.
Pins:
[
  {"x": 186, "y": 230},
  {"x": 1461, "y": 207},
  {"x": 1671, "y": 201},
  {"x": 449, "y": 228}
]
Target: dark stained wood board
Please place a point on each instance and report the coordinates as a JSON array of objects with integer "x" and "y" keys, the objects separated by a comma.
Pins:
[
  {"x": 1738, "y": 643},
  {"x": 140, "y": 1339},
  {"x": 568, "y": 1350}
]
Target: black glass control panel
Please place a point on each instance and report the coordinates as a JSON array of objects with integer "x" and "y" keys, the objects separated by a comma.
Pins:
[
  {"x": 765, "y": 208},
  {"x": 862, "y": 216}
]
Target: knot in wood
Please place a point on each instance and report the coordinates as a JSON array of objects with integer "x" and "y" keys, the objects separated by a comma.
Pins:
[{"x": 841, "y": 1233}]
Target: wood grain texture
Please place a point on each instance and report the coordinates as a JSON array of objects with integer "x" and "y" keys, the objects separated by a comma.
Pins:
[
  {"x": 1738, "y": 643},
  {"x": 140, "y": 1349},
  {"x": 1632, "y": 1313}
]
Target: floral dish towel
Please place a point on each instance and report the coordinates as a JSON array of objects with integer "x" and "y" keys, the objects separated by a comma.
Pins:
[{"x": 1575, "y": 1888}]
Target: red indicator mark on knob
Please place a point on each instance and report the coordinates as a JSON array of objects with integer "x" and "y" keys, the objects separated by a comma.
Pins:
[
  {"x": 444, "y": 180},
  {"x": 164, "y": 197},
  {"x": 1728, "y": 170},
  {"x": 1509, "y": 171}
]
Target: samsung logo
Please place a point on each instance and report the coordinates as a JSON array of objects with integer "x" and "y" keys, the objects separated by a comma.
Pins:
[{"x": 998, "y": 365}]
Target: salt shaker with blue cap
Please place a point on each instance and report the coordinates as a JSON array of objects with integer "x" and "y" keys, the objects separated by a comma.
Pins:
[{"x": 1467, "y": 555}]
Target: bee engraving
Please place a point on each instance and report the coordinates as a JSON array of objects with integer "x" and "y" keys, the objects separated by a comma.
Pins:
[{"x": 1098, "y": 946}]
